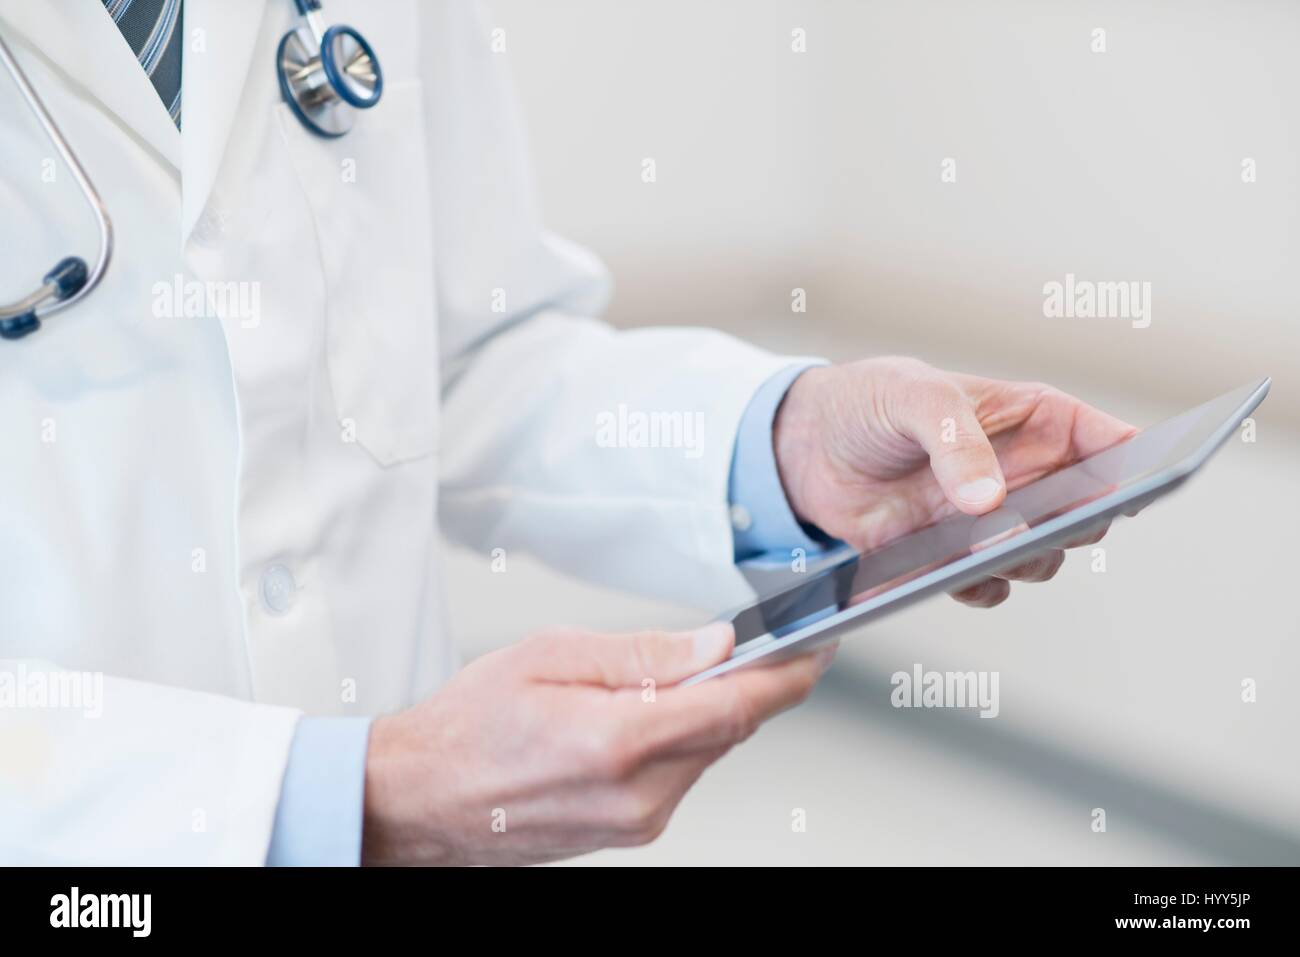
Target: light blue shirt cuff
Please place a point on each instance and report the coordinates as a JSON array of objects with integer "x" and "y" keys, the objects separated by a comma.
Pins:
[
  {"x": 761, "y": 517},
  {"x": 319, "y": 817}
]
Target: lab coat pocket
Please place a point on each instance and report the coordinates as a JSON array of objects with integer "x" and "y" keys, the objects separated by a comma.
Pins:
[{"x": 369, "y": 196}]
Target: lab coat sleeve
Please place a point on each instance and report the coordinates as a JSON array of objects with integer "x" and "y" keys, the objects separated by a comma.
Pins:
[
  {"x": 98, "y": 770},
  {"x": 548, "y": 441},
  {"x": 550, "y": 446}
]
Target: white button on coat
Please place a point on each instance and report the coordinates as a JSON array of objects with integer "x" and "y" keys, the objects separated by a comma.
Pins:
[
  {"x": 741, "y": 520},
  {"x": 277, "y": 589}
]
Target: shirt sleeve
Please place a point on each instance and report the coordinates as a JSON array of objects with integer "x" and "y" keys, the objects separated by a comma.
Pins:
[
  {"x": 761, "y": 517},
  {"x": 318, "y": 820}
]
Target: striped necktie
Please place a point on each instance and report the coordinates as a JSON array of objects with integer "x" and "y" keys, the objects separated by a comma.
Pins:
[{"x": 153, "y": 29}]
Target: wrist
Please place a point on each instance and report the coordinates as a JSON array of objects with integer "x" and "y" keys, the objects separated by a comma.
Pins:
[
  {"x": 378, "y": 825},
  {"x": 396, "y": 829},
  {"x": 795, "y": 441}
]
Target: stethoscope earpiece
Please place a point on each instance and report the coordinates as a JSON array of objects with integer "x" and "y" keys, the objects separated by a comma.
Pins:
[
  {"x": 327, "y": 74},
  {"x": 66, "y": 279}
]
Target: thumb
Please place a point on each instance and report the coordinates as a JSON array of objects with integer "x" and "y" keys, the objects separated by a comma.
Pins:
[
  {"x": 626, "y": 660},
  {"x": 941, "y": 420}
]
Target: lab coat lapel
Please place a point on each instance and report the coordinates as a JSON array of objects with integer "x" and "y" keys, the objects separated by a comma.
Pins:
[
  {"x": 227, "y": 31},
  {"x": 80, "y": 39}
]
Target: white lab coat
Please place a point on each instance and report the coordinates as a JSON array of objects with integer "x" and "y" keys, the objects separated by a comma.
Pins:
[{"x": 156, "y": 466}]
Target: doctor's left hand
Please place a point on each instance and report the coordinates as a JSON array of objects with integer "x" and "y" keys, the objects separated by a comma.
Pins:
[
  {"x": 562, "y": 744},
  {"x": 868, "y": 451}
]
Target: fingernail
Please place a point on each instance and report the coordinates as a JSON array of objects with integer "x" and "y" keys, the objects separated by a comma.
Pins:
[
  {"x": 712, "y": 642},
  {"x": 980, "y": 490},
  {"x": 826, "y": 655}
]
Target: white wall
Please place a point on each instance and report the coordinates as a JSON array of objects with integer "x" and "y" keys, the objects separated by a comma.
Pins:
[{"x": 822, "y": 170}]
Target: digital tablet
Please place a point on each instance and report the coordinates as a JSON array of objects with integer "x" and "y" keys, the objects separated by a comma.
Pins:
[{"x": 806, "y": 610}]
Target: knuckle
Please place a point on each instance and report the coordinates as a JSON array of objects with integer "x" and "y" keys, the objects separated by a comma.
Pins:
[
  {"x": 809, "y": 681},
  {"x": 1053, "y": 396},
  {"x": 638, "y": 814},
  {"x": 643, "y": 652},
  {"x": 612, "y": 756},
  {"x": 966, "y": 446},
  {"x": 910, "y": 367},
  {"x": 655, "y": 828},
  {"x": 911, "y": 376},
  {"x": 743, "y": 720},
  {"x": 593, "y": 755}
]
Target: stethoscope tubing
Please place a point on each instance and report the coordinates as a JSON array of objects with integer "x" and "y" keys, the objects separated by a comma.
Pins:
[
  {"x": 70, "y": 281},
  {"x": 102, "y": 220}
]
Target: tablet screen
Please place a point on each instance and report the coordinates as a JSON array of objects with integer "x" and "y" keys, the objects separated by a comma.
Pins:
[{"x": 861, "y": 577}]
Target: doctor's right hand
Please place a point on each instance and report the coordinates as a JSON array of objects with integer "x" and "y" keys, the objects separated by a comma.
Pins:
[{"x": 565, "y": 743}]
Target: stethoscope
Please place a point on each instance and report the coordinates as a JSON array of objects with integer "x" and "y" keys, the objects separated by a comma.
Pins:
[
  {"x": 70, "y": 280},
  {"x": 325, "y": 76}
]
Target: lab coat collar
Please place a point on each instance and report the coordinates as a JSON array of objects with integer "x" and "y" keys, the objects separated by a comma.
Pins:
[
  {"x": 80, "y": 39},
  {"x": 213, "y": 82}
]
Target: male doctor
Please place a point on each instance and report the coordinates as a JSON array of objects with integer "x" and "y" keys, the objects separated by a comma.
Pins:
[{"x": 233, "y": 514}]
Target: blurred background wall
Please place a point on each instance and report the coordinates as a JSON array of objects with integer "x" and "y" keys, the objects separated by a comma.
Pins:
[{"x": 822, "y": 170}]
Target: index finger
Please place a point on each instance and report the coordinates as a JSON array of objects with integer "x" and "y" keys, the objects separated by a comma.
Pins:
[
  {"x": 1095, "y": 430},
  {"x": 1009, "y": 404},
  {"x": 725, "y": 710}
]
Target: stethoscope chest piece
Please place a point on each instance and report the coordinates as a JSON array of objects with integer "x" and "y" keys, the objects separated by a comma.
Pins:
[{"x": 327, "y": 75}]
